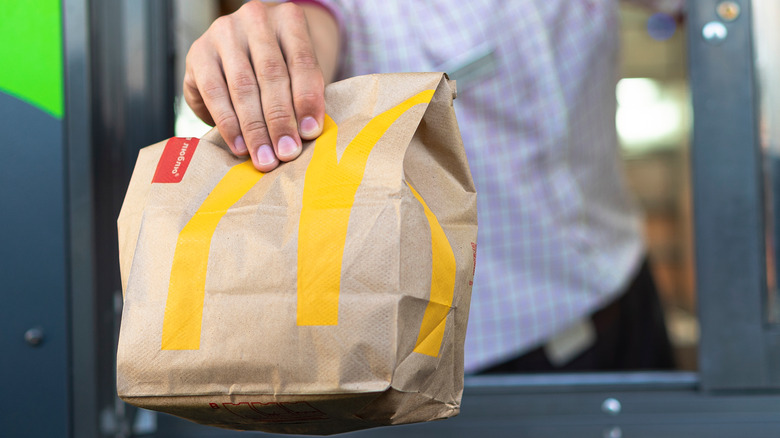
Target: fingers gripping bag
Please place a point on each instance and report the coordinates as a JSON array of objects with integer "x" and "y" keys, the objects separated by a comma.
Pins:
[{"x": 328, "y": 295}]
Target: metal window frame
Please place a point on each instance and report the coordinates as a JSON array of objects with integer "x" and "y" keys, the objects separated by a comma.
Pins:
[
  {"x": 80, "y": 208},
  {"x": 739, "y": 348},
  {"x": 118, "y": 57},
  {"x": 732, "y": 392}
]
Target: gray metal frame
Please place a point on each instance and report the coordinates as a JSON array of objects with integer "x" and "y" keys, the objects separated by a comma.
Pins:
[
  {"x": 739, "y": 350},
  {"x": 576, "y": 405},
  {"x": 119, "y": 97},
  {"x": 80, "y": 211}
]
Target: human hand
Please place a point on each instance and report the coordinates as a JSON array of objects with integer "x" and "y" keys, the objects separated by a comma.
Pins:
[{"x": 255, "y": 74}]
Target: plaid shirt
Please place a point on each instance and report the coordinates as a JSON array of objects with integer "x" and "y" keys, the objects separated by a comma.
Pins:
[{"x": 559, "y": 235}]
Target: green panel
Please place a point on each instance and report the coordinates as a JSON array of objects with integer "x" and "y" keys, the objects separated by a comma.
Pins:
[{"x": 31, "y": 53}]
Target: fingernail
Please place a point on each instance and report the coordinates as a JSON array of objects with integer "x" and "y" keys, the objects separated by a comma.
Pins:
[
  {"x": 265, "y": 155},
  {"x": 309, "y": 127},
  {"x": 239, "y": 144},
  {"x": 287, "y": 147}
]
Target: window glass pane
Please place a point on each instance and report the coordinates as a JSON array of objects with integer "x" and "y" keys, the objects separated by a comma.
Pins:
[{"x": 654, "y": 128}]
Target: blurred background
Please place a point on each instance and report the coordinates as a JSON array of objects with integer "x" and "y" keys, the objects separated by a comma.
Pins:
[
  {"x": 654, "y": 123},
  {"x": 111, "y": 84}
]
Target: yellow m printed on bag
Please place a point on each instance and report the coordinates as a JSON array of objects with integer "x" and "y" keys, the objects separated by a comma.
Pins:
[
  {"x": 187, "y": 286},
  {"x": 329, "y": 192}
]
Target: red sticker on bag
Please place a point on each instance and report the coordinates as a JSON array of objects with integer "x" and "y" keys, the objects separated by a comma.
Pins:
[{"x": 174, "y": 160}]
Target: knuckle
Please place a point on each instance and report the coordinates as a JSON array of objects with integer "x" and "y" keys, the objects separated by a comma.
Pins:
[
  {"x": 212, "y": 90},
  {"x": 199, "y": 50},
  {"x": 253, "y": 9},
  {"x": 278, "y": 115},
  {"x": 196, "y": 47},
  {"x": 292, "y": 11},
  {"x": 308, "y": 99},
  {"x": 226, "y": 120},
  {"x": 191, "y": 92},
  {"x": 274, "y": 70},
  {"x": 188, "y": 59},
  {"x": 222, "y": 26},
  {"x": 304, "y": 60},
  {"x": 244, "y": 85},
  {"x": 255, "y": 127},
  {"x": 188, "y": 81}
]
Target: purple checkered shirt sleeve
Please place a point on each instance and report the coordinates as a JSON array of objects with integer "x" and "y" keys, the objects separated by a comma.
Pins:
[{"x": 559, "y": 235}]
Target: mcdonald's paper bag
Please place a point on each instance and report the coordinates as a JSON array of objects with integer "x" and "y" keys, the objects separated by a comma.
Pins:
[{"x": 328, "y": 295}]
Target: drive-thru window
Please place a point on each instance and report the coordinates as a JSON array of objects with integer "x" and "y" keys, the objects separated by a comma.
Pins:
[{"x": 72, "y": 129}]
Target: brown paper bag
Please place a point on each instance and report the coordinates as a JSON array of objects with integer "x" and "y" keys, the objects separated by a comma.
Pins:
[{"x": 328, "y": 295}]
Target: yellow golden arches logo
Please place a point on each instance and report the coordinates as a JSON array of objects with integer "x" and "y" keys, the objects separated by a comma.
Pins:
[
  {"x": 443, "y": 267},
  {"x": 187, "y": 285},
  {"x": 329, "y": 192}
]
